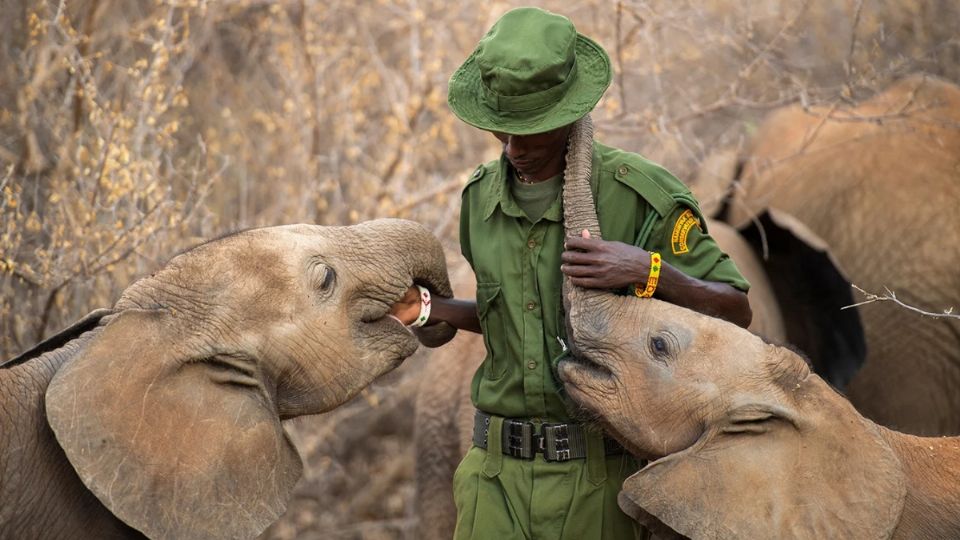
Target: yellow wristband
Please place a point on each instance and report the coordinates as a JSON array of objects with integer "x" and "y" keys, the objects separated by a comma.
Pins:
[{"x": 652, "y": 278}]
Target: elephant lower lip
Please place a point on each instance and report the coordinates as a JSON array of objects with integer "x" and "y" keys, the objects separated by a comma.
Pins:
[
  {"x": 394, "y": 317},
  {"x": 388, "y": 338},
  {"x": 582, "y": 377},
  {"x": 593, "y": 368}
]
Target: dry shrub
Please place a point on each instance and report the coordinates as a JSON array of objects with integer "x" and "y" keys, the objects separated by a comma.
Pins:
[{"x": 129, "y": 129}]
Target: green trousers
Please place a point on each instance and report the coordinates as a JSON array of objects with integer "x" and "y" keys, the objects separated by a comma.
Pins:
[{"x": 503, "y": 498}]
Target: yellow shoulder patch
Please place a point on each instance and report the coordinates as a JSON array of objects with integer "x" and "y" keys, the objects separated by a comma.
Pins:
[{"x": 681, "y": 229}]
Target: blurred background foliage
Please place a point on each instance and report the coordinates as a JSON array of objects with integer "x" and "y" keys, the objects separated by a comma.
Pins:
[{"x": 131, "y": 129}]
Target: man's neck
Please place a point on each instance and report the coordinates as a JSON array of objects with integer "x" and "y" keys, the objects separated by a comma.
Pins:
[{"x": 544, "y": 173}]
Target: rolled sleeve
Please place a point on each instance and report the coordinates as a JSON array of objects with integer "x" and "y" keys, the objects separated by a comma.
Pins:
[{"x": 684, "y": 245}]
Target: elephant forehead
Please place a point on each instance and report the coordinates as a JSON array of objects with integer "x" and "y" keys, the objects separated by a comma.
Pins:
[
  {"x": 258, "y": 268},
  {"x": 343, "y": 247},
  {"x": 290, "y": 239},
  {"x": 389, "y": 229}
]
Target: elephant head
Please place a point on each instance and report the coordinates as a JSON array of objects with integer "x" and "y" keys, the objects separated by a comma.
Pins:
[
  {"x": 171, "y": 414},
  {"x": 744, "y": 440}
]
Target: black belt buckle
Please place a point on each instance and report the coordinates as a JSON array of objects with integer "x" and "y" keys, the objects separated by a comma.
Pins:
[
  {"x": 519, "y": 435},
  {"x": 556, "y": 442}
]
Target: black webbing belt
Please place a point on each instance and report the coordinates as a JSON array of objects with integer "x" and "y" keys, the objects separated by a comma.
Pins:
[{"x": 557, "y": 442}]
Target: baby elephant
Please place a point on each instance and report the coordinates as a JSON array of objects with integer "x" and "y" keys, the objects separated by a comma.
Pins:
[
  {"x": 744, "y": 441},
  {"x": 162, "y": 416}
]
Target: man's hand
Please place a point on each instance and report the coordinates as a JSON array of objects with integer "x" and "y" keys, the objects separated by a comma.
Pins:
[
  {"x": 597, "y": 264},
  {"x": 601, "y": 264},
  {"x": 461, "y": 314},
  {"x": 407, "y": 309}
]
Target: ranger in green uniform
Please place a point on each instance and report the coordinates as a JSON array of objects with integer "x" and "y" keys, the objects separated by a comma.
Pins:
[{"x": 533, "y": 472}]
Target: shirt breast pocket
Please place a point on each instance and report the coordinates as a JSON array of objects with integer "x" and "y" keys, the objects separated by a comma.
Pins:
[{"x": 490, "y": 312}]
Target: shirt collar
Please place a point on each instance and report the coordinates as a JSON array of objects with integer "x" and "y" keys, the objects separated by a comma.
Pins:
[{"x": 499, "y": 194}]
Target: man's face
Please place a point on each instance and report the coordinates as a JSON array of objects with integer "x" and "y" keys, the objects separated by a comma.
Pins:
[{"x": 537, "y": 153}]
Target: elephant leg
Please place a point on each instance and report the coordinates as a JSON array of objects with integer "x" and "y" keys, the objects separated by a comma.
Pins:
[{"x": 444, "y": 420}]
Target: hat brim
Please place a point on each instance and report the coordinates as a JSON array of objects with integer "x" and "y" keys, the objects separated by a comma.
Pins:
[{"x": 465, "y": 95}]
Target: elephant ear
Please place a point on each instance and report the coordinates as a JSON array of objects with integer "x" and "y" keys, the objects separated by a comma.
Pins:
[
  {"x": 811, "y": 290},
  {"x": 714, "y": 181},
  {"x": 174, "y": 447},
  {"x": 760, "y": 476}
]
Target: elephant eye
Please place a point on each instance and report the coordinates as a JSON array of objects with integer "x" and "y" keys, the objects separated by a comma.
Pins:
[
  {"x": 659, "y": 347},
  {"x": 322, "y": 276}
]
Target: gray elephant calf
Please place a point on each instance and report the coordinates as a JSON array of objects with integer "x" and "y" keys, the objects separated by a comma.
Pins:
[
  {"x": 163, "y": 415},
  {"x": 744, "y": 440}
]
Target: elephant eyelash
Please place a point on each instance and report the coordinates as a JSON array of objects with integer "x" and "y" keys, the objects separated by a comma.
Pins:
[
  {"x": 321, "y": 275},
  {"x": 328, "y": 278},
  {"x": 754, "y": 423}
]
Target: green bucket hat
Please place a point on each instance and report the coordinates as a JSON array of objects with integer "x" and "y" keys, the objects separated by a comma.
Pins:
[{"x": 531, "y": 73}]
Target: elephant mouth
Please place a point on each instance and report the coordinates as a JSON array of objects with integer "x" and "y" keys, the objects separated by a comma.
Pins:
[
  {"x": 388, "y": 338},
  {"x": 583, "y": 376},
  {"x": 375, "y": 301},
  {"x": 382, "y": 330}
]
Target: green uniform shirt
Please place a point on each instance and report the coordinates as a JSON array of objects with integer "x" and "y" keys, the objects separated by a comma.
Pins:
[{"x": 517, "y": 266}]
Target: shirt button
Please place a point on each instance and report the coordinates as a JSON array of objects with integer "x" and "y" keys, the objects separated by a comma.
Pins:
[
  {"x": 531, "y": 306},
  {"x": 531, "y": 243},
  {"x": 532, "y": 365},
  {"x": 622, "y": 170}
]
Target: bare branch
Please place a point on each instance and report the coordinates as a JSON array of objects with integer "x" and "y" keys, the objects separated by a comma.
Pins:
[
  {"x": 892, "y": 297},
  {"x": 26, "y": 279},
  {"x": 747, "y": 71},
  {"x": 6, "y": 155},
  {"x": 848, "y": 65},
  {"x": 425, "y": 196},
  {"x": 618, "y": 54}
]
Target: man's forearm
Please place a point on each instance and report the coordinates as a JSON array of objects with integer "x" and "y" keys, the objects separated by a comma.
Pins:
[
  {"x": 600, "y": 264},
  {"x": 461, "y": 314},
  {"x": 707, "y": 297}
]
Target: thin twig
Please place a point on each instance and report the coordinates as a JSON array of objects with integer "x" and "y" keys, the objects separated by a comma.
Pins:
[
  {"x": 848, "y": 65},
  {"x": 47, "y": 310},
  {"x": 809, "y": 136},
  {"x": 26, "y": 279},
  {"x": 619, "y": 57},
  {"x": 746, "y": 72},
  {"x": 420, "y": 198},
  {"x": 892, "y": 297},
  {"x": 6, "y": 155}
]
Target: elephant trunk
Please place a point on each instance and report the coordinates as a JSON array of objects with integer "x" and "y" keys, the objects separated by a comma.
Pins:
[
  {"x": 401, "y": 250},
  {"x": 579, "y": 213},
  {"x": 578, "y": 208}
]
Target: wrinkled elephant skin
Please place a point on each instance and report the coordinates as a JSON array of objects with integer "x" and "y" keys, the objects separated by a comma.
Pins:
[
  {"x": 878, "y": 185},
  {"x": 745, "y": 441},
  {"x": 162, "y": 416}
]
